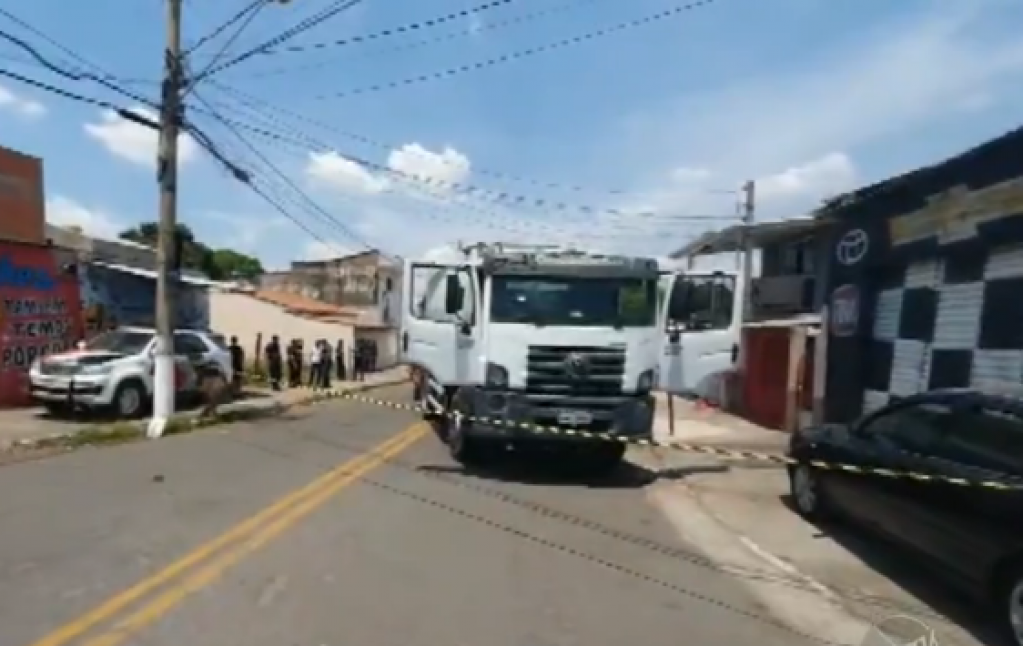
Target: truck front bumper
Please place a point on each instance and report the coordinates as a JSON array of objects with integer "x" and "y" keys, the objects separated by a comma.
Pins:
[{"x": 513, "y": 416}]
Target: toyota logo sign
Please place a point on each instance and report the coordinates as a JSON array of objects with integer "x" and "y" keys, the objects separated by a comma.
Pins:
[{"x": 853, "y": 247}]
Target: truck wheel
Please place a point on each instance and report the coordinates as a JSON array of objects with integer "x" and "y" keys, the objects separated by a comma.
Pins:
[
  {"x": 467, "y": 451},
  {"x": 129, "y": 400}
]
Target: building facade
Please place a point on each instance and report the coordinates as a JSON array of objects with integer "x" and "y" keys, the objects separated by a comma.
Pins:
[
  {"x": 924, "y": 278},
  {"x": 367, "y": 280}
]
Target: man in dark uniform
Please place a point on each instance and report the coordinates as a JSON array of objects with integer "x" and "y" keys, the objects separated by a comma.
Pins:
[
  {"x": 237, "y": 364},
  {"x": 339, "y": 357},
  {"x": 326, "y": 367},
  {"x": 294, "y": 364},
  {"x": 274, "y": 362}
]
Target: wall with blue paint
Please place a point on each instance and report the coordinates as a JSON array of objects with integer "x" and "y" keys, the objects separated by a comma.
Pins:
[{"x": 112, "y": 297}]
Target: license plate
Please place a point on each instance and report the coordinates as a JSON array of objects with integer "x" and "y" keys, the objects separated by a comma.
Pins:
[{"x": 574, "y": 418}]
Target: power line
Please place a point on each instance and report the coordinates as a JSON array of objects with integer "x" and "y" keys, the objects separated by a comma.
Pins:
[
  {"x": 504, "y": 198},
  {"x": 72, "y": 75},
  {"x": 250, "y": 9},
  {"x": 521, "y": 54},
  {"x": 283, "y": 177},
  {"x": 420, "y": 25},
  {"x": 337, "y": 7},
  {"x": 260, "y": 106},
  {"x": 246, "y": 18},
  {"x": 419, "y": 44},
  {"x": 121, "y": 112}
]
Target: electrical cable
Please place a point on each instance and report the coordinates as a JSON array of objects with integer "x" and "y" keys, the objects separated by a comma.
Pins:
[
  {"x": 252, "y": 8},
  {"x": 99, "y": 103},
  {"x": 261, "y": 106},
  {"x": 419, "y": 44},
  {"x": 504, "y": 198},
  {"x": 248, "y": 16},
  {"x": 71, "y": 75},
  {"x": 337, "y": 7},
  {"x": 347, "y": 231},
  {"x": 520, "y": 54},
  {"x": 420, "y": 25}
]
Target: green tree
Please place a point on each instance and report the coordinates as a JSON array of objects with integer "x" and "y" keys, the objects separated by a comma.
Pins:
[{"x": 218, "y": 264}]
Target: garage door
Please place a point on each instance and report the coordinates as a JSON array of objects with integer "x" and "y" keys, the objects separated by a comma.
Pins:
[{"x": 952, "y": 322}]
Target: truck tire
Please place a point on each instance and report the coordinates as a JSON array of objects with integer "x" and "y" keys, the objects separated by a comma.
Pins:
[{"x": 465, "y": 449}]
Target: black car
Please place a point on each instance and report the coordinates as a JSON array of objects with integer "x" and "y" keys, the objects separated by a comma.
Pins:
[{"x": 970, "y": 534}]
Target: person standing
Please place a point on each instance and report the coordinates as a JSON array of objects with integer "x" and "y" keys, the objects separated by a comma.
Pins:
[
  {"x": 314, "y": 364},
  {"x": 327, "y": 367},
  {"x": 339, "y": 358},
  {"x": 294, "y": 364},
  {"x": 274, "y": 363},
  {"x": 237, "y": 364}
]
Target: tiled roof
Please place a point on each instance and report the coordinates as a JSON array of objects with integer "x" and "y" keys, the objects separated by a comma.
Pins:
[{"x": 312, "y": 308}]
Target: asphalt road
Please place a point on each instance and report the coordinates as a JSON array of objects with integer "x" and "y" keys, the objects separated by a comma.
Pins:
[{"x": 120, "y": 546}]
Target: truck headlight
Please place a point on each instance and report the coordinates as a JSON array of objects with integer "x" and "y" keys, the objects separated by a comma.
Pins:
[
  {"x": 646, "y": 382},
  {"x": 497, "y": 376}
]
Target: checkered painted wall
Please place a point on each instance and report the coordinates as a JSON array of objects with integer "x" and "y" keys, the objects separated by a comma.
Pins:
[{"x": 954, "y": 321}]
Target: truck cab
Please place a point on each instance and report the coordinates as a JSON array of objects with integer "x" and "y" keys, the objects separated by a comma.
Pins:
[
  {"x": 703, "y": 314},
  {"x": 512, "y": 341}
]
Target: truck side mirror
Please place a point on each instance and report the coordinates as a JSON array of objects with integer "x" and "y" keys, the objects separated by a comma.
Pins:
[{"x": 454, "y": 295}]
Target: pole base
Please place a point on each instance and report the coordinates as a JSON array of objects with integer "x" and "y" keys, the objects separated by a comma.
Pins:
[{"x": 163, "y": 394}]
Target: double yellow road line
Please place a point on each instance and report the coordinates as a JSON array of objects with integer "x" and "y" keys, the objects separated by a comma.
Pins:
[{"x": 206, "y": 563}]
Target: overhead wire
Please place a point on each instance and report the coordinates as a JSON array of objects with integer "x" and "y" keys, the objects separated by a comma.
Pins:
[
  {"x": 312, "y": 204},
  {"x": 246, "y": 12},
  {"x": 246, "y": 19},
  {"x": 339, "y": 6},
  {"x": 521, "y": 54},
  {"x": 122, "y": 112},
  {"x": 436, "y": 40},
  {"x": 263, "y": 107},
  {"x": 505, "y": 198}
]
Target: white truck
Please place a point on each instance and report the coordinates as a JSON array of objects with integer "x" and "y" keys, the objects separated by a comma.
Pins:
[{"x": 508, "y": 336}]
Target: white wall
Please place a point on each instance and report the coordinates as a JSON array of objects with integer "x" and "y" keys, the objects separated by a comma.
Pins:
[{"x": 246, "y": 316}]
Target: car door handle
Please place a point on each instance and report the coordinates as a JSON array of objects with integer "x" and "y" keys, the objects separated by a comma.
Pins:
[{"x": 404, "y": 341}]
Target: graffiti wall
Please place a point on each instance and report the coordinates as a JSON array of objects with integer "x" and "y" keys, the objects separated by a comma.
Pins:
[
  {"x": 40, "y": 313},
  {"x": 111, "y": 298}
]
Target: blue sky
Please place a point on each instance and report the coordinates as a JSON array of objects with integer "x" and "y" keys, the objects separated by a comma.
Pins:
[{"x": 647, "y": 129}]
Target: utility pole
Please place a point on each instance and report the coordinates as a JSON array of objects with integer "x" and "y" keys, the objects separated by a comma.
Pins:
[
  {"x": 748, "y": 211},
  {"x": 166, "y": 263}
]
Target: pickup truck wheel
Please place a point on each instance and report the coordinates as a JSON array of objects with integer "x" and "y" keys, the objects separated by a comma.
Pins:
[{"x": 129, "y": 400}]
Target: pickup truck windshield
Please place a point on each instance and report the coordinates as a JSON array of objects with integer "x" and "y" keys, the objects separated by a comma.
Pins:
[
  {"x": 120, "y": 341},
  {"x": 564, "y": 301}
]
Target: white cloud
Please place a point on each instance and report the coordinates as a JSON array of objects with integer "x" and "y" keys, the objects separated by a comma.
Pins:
[
  {"x": 133, "y": 142},
  {"x": 417, "y": 170},
  {"x": 20, "y": 105},
  {"x": 827, "y": 176},
  {"x": 65, "y": 212},
  {"x": 331, "y": 170},
  {"x": 435, "y": 168}
]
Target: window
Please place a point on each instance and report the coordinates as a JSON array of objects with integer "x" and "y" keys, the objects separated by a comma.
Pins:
[
  {"x": 914, "y": 428},
  {"x": 120, "y": 341},
  {"x": 429, "y": 290},
  {"x": 188, "y": 344},
  {"x": 702, "y": 302},
  {"x": 561, "y": 300},
  {"x": 988, "y": 438}
]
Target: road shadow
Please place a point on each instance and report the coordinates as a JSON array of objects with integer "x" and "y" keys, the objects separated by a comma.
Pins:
[
  {"x": 914, "y": 577},
  {"x": 87, "y": 416},
  {"x": 548, "y": 471}
]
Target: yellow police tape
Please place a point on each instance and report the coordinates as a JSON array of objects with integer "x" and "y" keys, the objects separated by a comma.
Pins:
[{"x": 720, "y": 452}]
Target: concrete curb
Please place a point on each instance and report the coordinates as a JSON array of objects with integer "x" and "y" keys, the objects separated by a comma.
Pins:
[{"x": 126, "y": 431}]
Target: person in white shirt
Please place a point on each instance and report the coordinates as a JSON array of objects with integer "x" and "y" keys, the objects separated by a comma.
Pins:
[{"x": 315, "y": 364}]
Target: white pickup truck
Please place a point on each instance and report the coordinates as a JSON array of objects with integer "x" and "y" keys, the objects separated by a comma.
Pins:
[{"x": 114, "y": 371}]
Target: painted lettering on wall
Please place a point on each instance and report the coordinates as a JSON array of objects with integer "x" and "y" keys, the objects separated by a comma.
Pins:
[{"x": 33, "y": 328}]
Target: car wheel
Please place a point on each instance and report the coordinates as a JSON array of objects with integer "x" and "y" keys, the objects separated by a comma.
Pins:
[
  {"x": 129, "y": 400},
  {"x": 1011, "y": 603},
  {"x": 808, "y": 495}
]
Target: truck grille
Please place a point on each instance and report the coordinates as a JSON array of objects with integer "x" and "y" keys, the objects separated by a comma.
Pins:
[{"x": 550, "y": 379}]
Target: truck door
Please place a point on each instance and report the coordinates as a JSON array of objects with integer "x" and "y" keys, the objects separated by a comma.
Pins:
[
  {"x": 702, "y": 320},
  {"x": 439, "y": 331}
]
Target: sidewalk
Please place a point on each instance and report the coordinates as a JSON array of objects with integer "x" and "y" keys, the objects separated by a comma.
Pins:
[
  {"x": 27, "y": 427},
  {"x": 695, "y": 424}
]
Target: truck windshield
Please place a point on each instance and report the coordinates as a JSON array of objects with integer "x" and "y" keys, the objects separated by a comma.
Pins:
[
  {"x": 702, "y": 302},
  {"x": 564, "y": 301}
]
